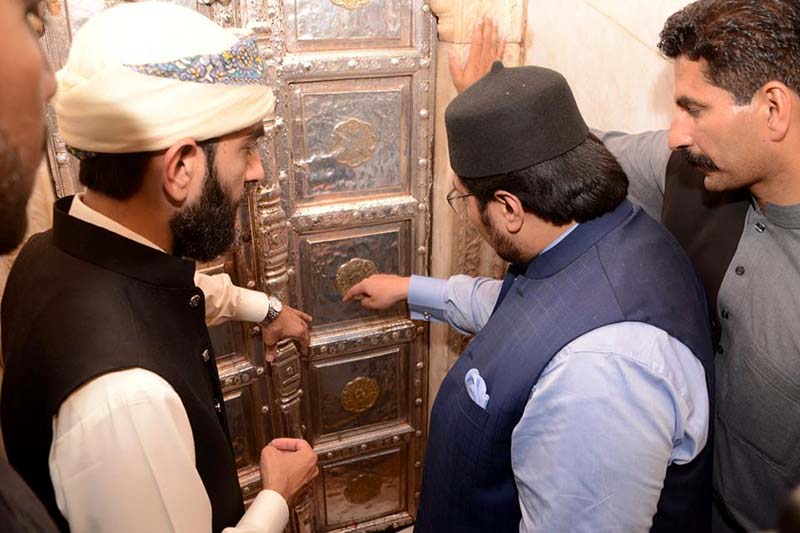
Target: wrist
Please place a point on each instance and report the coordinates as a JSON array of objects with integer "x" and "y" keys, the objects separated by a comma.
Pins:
[
  {"x": 275, "y": 309},
  {"x": 403, "y": 288},
  {"x": 281, "y": 489}
]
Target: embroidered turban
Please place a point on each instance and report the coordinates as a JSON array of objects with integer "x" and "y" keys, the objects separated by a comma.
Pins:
[{"x": 143, "y": 75}]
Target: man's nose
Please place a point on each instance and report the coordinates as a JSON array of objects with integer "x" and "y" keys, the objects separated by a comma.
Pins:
[
  {"x": 680, "y": 131},
  {"x": 255, "y": 170}
]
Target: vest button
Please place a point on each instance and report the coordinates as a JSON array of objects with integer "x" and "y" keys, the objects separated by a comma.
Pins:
[
  {"x": 194, "y": 301},
  {"x": 725, "y": 314},
  {"x": 740, "y": 270},
  {"x": 760, "y": 227},
  {"x": 720, "y": 350},
  {"x": 217, "y": 406},
  {"x": 206, "y": 356}
]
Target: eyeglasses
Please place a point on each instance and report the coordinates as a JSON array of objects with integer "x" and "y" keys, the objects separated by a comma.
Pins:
[{"x": 455, "y": 200}]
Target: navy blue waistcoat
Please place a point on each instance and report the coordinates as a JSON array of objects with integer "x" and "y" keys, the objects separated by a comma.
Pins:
[{"x": 620, "y": 267}]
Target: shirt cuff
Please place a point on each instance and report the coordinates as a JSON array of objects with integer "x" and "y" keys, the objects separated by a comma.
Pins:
[
  {"x": 253, "y": 305},
  {"x": 427, "y": 298},
  {"x": 268, "y": 512}
]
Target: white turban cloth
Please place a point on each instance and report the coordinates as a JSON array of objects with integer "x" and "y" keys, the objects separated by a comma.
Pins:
[{"x": 140, "y": 76}]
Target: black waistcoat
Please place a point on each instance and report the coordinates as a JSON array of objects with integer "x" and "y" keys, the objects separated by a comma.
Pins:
[
  {"x": 708, "y": 225},
  {"x": 81, "y": 302}
]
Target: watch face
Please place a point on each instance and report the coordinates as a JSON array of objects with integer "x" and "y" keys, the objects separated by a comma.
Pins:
[{"x": 276, "y": 304}]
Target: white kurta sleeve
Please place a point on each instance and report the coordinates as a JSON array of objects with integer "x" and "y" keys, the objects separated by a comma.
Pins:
[
  {"x": 122, "y": 459},
  {"x": 267, "y": 514},
  {"x": 225, "y": 301}
]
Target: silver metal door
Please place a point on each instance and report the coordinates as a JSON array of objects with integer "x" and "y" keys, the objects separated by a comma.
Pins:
[{"x": 348, "y": 164}]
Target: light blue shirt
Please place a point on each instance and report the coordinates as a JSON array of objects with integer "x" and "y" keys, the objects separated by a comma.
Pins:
[{"x": 610, "y": 412}]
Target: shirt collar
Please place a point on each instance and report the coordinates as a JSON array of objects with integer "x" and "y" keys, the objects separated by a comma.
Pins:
[
  {"x": 786, "y": 216},
  {"x": 559, "y": 239},
  {"x": 581, "y": 238},
  {"x": 81, "y": 211},
  {"x": 113, "y": 251}
]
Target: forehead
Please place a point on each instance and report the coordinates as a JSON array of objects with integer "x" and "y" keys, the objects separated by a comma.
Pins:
[
  {"x": 253, "y": 131},
  {"x": 691, "y": 82}
]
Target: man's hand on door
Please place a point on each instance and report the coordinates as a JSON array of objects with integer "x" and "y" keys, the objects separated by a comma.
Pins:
[
  {"x": 287, "y": 465},
  {"x": 290, "y": 324},
  {"x": 379, "y": 291}
]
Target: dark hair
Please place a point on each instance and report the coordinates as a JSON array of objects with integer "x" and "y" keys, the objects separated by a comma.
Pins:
[
  {"x": 746, "y": 43},
  {"x": 579, "y": 185},
  {"x": 120, "y": 176}
]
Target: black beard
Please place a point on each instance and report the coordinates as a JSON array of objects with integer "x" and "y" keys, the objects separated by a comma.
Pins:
[
  {"x": 698, "y": 161},
  {"x": 207, "y": 229},
  {"x": 501, "y": 244}
]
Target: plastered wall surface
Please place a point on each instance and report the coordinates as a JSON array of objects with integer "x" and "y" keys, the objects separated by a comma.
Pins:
[{"x": 607, "y": 49}]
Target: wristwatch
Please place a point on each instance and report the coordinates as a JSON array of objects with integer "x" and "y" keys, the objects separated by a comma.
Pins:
[{"x": 275, "y": 308}]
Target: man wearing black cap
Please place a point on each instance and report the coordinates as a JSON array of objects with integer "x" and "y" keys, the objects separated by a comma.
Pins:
[
  {"x": 724, "y": 179},
  {"x": 583, "y": 402}
]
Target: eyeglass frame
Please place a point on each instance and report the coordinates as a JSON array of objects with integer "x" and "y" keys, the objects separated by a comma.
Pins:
[{"x": 453, "y": 195}]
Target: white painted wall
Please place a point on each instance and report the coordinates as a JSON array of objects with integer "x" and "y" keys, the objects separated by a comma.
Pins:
[{"x": 607, "y": 50}]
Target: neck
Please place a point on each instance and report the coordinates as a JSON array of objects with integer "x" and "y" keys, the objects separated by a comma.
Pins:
[
  {"x": 780, "y": 184},
  {"x": 137, "y": 214},
  {"x": 780, "y": 189},
  {"x": 540, "y": 236}
]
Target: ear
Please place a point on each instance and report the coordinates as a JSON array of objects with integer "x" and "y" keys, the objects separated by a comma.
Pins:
[
  {"x": 776, "y": 101},
  {"x": 512, "y": 214},
  {"x": 184, "y": 167}
]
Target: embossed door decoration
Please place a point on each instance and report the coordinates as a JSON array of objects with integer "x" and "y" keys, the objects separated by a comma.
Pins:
[{"x": 347, "y": 158}]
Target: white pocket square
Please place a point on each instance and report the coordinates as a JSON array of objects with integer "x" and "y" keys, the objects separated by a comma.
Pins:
[{"x": 476, "y": 388}]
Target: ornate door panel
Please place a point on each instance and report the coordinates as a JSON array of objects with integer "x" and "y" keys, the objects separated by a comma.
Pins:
[
  {"x": 353, "y": 147},
  {"x": 347, "y": 158}
]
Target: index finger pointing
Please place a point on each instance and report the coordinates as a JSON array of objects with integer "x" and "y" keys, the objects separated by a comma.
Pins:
[{"x": 355, "y": 290}]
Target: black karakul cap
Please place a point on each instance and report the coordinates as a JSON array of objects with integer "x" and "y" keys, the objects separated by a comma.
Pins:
[{"x": 511, "y": 119}]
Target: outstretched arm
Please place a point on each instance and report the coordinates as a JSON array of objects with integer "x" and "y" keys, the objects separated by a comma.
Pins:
[
  {"x": 463, "y": 302},
  {"x": 379, "y": 291}
]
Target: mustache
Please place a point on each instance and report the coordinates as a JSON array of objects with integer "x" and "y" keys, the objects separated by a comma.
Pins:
[{"x": 698, "y": 160}]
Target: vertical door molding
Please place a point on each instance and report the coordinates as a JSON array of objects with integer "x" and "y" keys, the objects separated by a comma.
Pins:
[{"x": 457, "y": 248}]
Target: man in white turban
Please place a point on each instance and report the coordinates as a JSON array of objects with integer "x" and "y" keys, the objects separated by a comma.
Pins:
[{"x": 112, "y": 409}]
